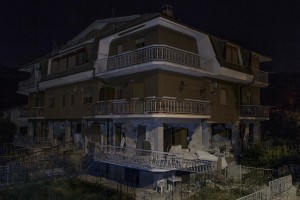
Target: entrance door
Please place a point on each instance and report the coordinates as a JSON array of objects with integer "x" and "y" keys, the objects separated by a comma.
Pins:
[{"x": 175, "y": 136}]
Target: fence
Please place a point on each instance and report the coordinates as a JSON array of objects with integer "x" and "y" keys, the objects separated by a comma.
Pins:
[{"x": 276, "y": 187}]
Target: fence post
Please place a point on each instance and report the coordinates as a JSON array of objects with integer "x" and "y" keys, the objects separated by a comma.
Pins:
[{"x": 240, "y": 175}]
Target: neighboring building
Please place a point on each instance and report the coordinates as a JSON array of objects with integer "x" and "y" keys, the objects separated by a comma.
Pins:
[{"x": 146, "y": 82}]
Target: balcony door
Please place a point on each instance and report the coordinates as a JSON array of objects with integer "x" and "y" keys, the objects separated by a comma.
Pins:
[
  {"x": 141, "y": 137},
  {"x": 175, "y": 136}
]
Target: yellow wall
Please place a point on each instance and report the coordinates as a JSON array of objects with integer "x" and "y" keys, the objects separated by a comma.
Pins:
[{"x": 68, "y": 111}]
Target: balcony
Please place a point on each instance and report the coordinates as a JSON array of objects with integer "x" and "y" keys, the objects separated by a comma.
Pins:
[
  {"x": 151, "y": 160},
  {"x": 261, "y": 78},
  {"x": 155, "y": 53},
  {"x": 27, "y": 85},
  {"x": 254, "y": 112},
  {"x": 33, "y": 112},
  {"x": 154, "y": 105}
]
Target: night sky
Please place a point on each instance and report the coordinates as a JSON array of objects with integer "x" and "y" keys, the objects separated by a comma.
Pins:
[{"x": 30, "y": 28}]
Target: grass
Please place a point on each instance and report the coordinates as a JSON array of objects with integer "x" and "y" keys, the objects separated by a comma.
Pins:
[{"x": 70, "y": 189}]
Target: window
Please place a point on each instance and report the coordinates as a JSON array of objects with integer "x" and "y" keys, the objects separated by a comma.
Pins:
[
  {"x": 119, "y": 49},
  {"x": 232, "y": 55},
  {"x": 51, "y": 101},
  {"x": 72, "y": 98},
  {"x": 36, "y": 99},
  {"x": 87, "y": 95},
  {"x": 68, "y": 61},
  {"x": 139, "y": 43},
  {"x": 55, "y": 66},
  {"x": 107, "y": 93},
  {"x": 63, "y": 99},
  {"x": 249, "y": 98},
  {"x": 82, "y": 58},
  {"x": 119, "y": 93},
  {"x": 63, "y": 64},
  {"x": 72, "y": 61},
  {"x": 223, "y": 96},
  {"x": 212, "y": 88}
]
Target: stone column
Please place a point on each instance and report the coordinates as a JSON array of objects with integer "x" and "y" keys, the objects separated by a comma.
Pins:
[{"x": 196, "y": 143}]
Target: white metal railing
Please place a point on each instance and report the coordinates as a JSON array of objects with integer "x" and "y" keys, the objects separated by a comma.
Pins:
[
  {"x": 154, "y": 105},
  {"x": 155, "y": 53},
  {"x": 276, "y": 187},
  {"x": 32, "y": 112},
  {"x": 34, "y": 142},
  {"x": 254, "y": 111},
  {"x": 280, "y": 185},
  {"x": 263, "y": 194},
  {"x": 150, "y": 159},
  {"x": 261, "y": 76}
]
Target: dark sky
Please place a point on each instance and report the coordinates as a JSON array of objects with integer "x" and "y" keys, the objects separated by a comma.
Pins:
[{"x": 28, "y": 28}]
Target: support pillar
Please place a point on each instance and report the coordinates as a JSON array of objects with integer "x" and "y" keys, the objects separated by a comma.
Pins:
[
  {"x": 67, "y": 131},
  {"x": 159, "y": 139}
]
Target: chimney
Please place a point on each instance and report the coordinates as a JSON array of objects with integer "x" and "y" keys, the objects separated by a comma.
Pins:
[{"x": 167, "y": 11}]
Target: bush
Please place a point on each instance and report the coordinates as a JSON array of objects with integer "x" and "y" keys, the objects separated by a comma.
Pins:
[{"x": 271, "y": 158}]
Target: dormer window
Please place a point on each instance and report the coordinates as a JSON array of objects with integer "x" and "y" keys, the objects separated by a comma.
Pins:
[
  {"x": 68, "y": 61},
  {"x": 232, "y": 54}
]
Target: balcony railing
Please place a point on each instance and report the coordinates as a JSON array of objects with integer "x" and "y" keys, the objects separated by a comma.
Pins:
[
  {"x": 34, "y": 142},
  {"x": 155, "y": 53},
  {"x": 254, "y": 111},
  {"x": 32, "y": 112},
  {"x": 154, "y": 105},
  {"x": 151, "y": 159},
  {"x": 26, "y": 85},
  {"x": 261, "y": 76}
]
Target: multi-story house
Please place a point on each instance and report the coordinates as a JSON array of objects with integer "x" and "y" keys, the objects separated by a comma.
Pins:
[{"x": 139, "y": 85}]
